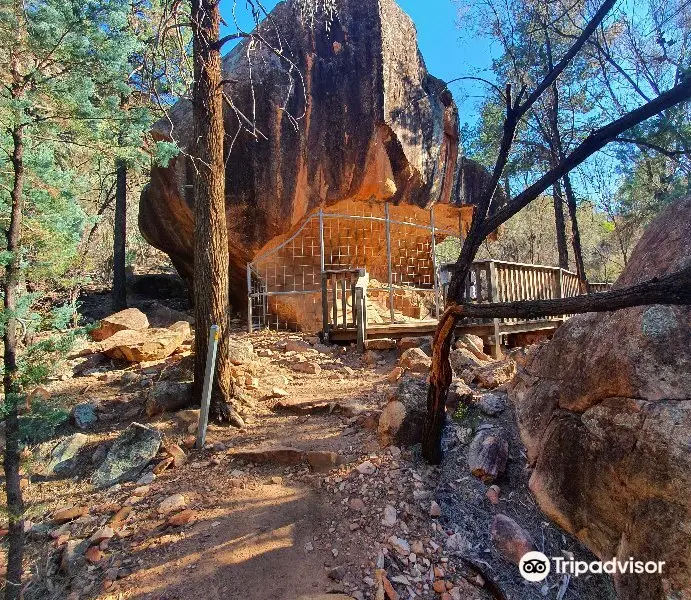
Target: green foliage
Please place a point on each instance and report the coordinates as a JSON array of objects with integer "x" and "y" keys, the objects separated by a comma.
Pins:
[{"x": 41, "y": 423}]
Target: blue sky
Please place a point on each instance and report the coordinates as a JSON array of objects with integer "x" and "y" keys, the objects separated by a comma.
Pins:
[{"x": 439, "y": 37}]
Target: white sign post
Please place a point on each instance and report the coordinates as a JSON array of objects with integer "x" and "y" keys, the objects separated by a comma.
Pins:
[{"x": 208, "y": 385}]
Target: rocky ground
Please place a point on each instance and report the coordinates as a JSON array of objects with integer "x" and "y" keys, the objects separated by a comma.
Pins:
[{"x": 321, "y": 492}]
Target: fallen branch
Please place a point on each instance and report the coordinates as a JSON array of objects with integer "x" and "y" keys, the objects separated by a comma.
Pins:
[{"x": 672, "y": 289}]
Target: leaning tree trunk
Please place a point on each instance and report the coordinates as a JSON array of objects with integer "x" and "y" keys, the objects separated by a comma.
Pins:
[
  {"x": 211, "y": 261},
  {"x": 560, "y": 225},
  {"x": 11, "y": 286},
  {"x": 119, "y": 238},
  {"x": 576, "y": 236}
]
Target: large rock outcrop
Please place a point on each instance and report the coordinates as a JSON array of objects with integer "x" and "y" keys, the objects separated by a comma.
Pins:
[
  {"x": 605, "y": 413},
  {"x": 360, "y": 119}
]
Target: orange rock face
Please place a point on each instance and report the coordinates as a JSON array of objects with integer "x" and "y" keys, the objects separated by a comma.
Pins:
[{"x": 365, "y": 123}]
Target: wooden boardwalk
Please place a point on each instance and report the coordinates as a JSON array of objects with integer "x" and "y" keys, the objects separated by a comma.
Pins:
[{"x": 344, "y": 302}]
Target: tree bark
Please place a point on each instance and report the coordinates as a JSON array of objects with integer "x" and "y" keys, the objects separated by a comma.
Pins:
[
  {"x": 560, "y": 225},
  {"x": 11, "y": 284},
  {"x": 211, "y": 260},
  {"x": 672, "y": 289},
  {"x": 575, "y": 234},
  {"x": 119, "y": 296}
]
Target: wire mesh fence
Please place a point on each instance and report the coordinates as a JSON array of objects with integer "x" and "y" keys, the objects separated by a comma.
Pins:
[{"x": 395, "y": 244}]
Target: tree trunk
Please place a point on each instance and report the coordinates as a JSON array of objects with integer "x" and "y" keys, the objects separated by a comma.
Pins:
[
  {"x": 576, "y": 236},
  {"x": 211, "y": 263},
  {"x": 119, "y": 238},
  {"x": 560, "y": 224},
  {"x": 11, "y": 285}
]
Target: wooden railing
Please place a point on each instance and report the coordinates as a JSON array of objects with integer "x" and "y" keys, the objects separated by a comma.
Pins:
[{"x": 344, "y": 302}]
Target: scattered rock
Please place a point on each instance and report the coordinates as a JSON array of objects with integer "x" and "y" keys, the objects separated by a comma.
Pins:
[
  {"x": 128, "y": 456},
  {"x": 407, "y": 343},
  {"x": 168, "y": 396},
  {"x": 63, "y": 458},
  {"x": 311, "y": 368},
  {"x": 491, "y": 404},
  {"x": 181, "y": 518},
  {"x": 64, "y": 515},
  {"x": 173, "y": 503},
  {"x": 177, "y": 453},
  {"x": 510, "y": 539},
  {"x": 488, "y": 454},
  {"x": 399, "y": 545},
  {"x": 130, "y": 319},
  {"x": 462, "y": 359},
  {"x": 142, "y": 346},
  {"x": 380, "y": 344},
  {"x": 470, "y": 342},
  {"x": 402, "y": 419},
  {"x": 337, "y": 573},
  {"x": 189, "y": 442},
  {"x": 322, "y": 461},
  {"x": 395, "y": 374},
  {"x": 357, "y": 505},
  {"x": 183, "y": 328},
  {"x": 434, "y": 509},
  {"x": 390, "y": 518},
  {"x": 366, "y": 468},
  {"x": 415, "y": 360},
  {"x": 495, "y": 374},
  {"x": 492, "y": 494},
  {"x": 105, "y": 533},
  {"x": 84, "y": 415},
  {"x": 73, "y": 556},
  {"x": 278, "y": 392},
  {"x": 240, "y": 352},
  {"x": 459, "y": 394}
]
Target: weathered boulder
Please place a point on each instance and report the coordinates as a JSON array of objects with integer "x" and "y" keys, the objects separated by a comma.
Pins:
[
  {"x": 604, "y": 410},
  {"x": 130, "y": 319},
  {"x": 402, "y": 419},
  {"x": 372, "y": 125},
  {"x": 415, "y": 360},
  {"x": 63, "y": 458},
  {"x": 143, "y": 346},
  {"x": 134, "y": 448},
  {"x": 84, "y": 415},
  {"x": 494, "y": 374},
  {"x": 488, "y": 454},
  {"x": 510, "y": 539},
  {"x": 168, "y": 396},
  {"x": 462, "y": 359},
  {"x": 240, "y": 352}
]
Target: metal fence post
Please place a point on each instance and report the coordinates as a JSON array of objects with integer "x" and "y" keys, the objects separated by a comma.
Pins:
[
  {"x": 249, "y": 298},
  {"x": 388, "y": 259},
  {"x": 434, "y": 263},
  {"x": 322, "y": 260},
  {"x": 208, "y": 385}
]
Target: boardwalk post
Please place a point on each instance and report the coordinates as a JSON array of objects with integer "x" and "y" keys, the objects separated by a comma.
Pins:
[
  {"x": 494, "y": 297},
  {"x": 388, "y": 259},
  {"x": 208, "y": 384},
  {"x": 359, "y": 302}
]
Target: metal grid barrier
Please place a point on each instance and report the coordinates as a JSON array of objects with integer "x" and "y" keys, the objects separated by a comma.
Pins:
[{"x": 395, "y": 244}]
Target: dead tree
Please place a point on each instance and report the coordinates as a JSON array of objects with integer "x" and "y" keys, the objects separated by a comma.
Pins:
[{"x": 484, "y": 223}]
